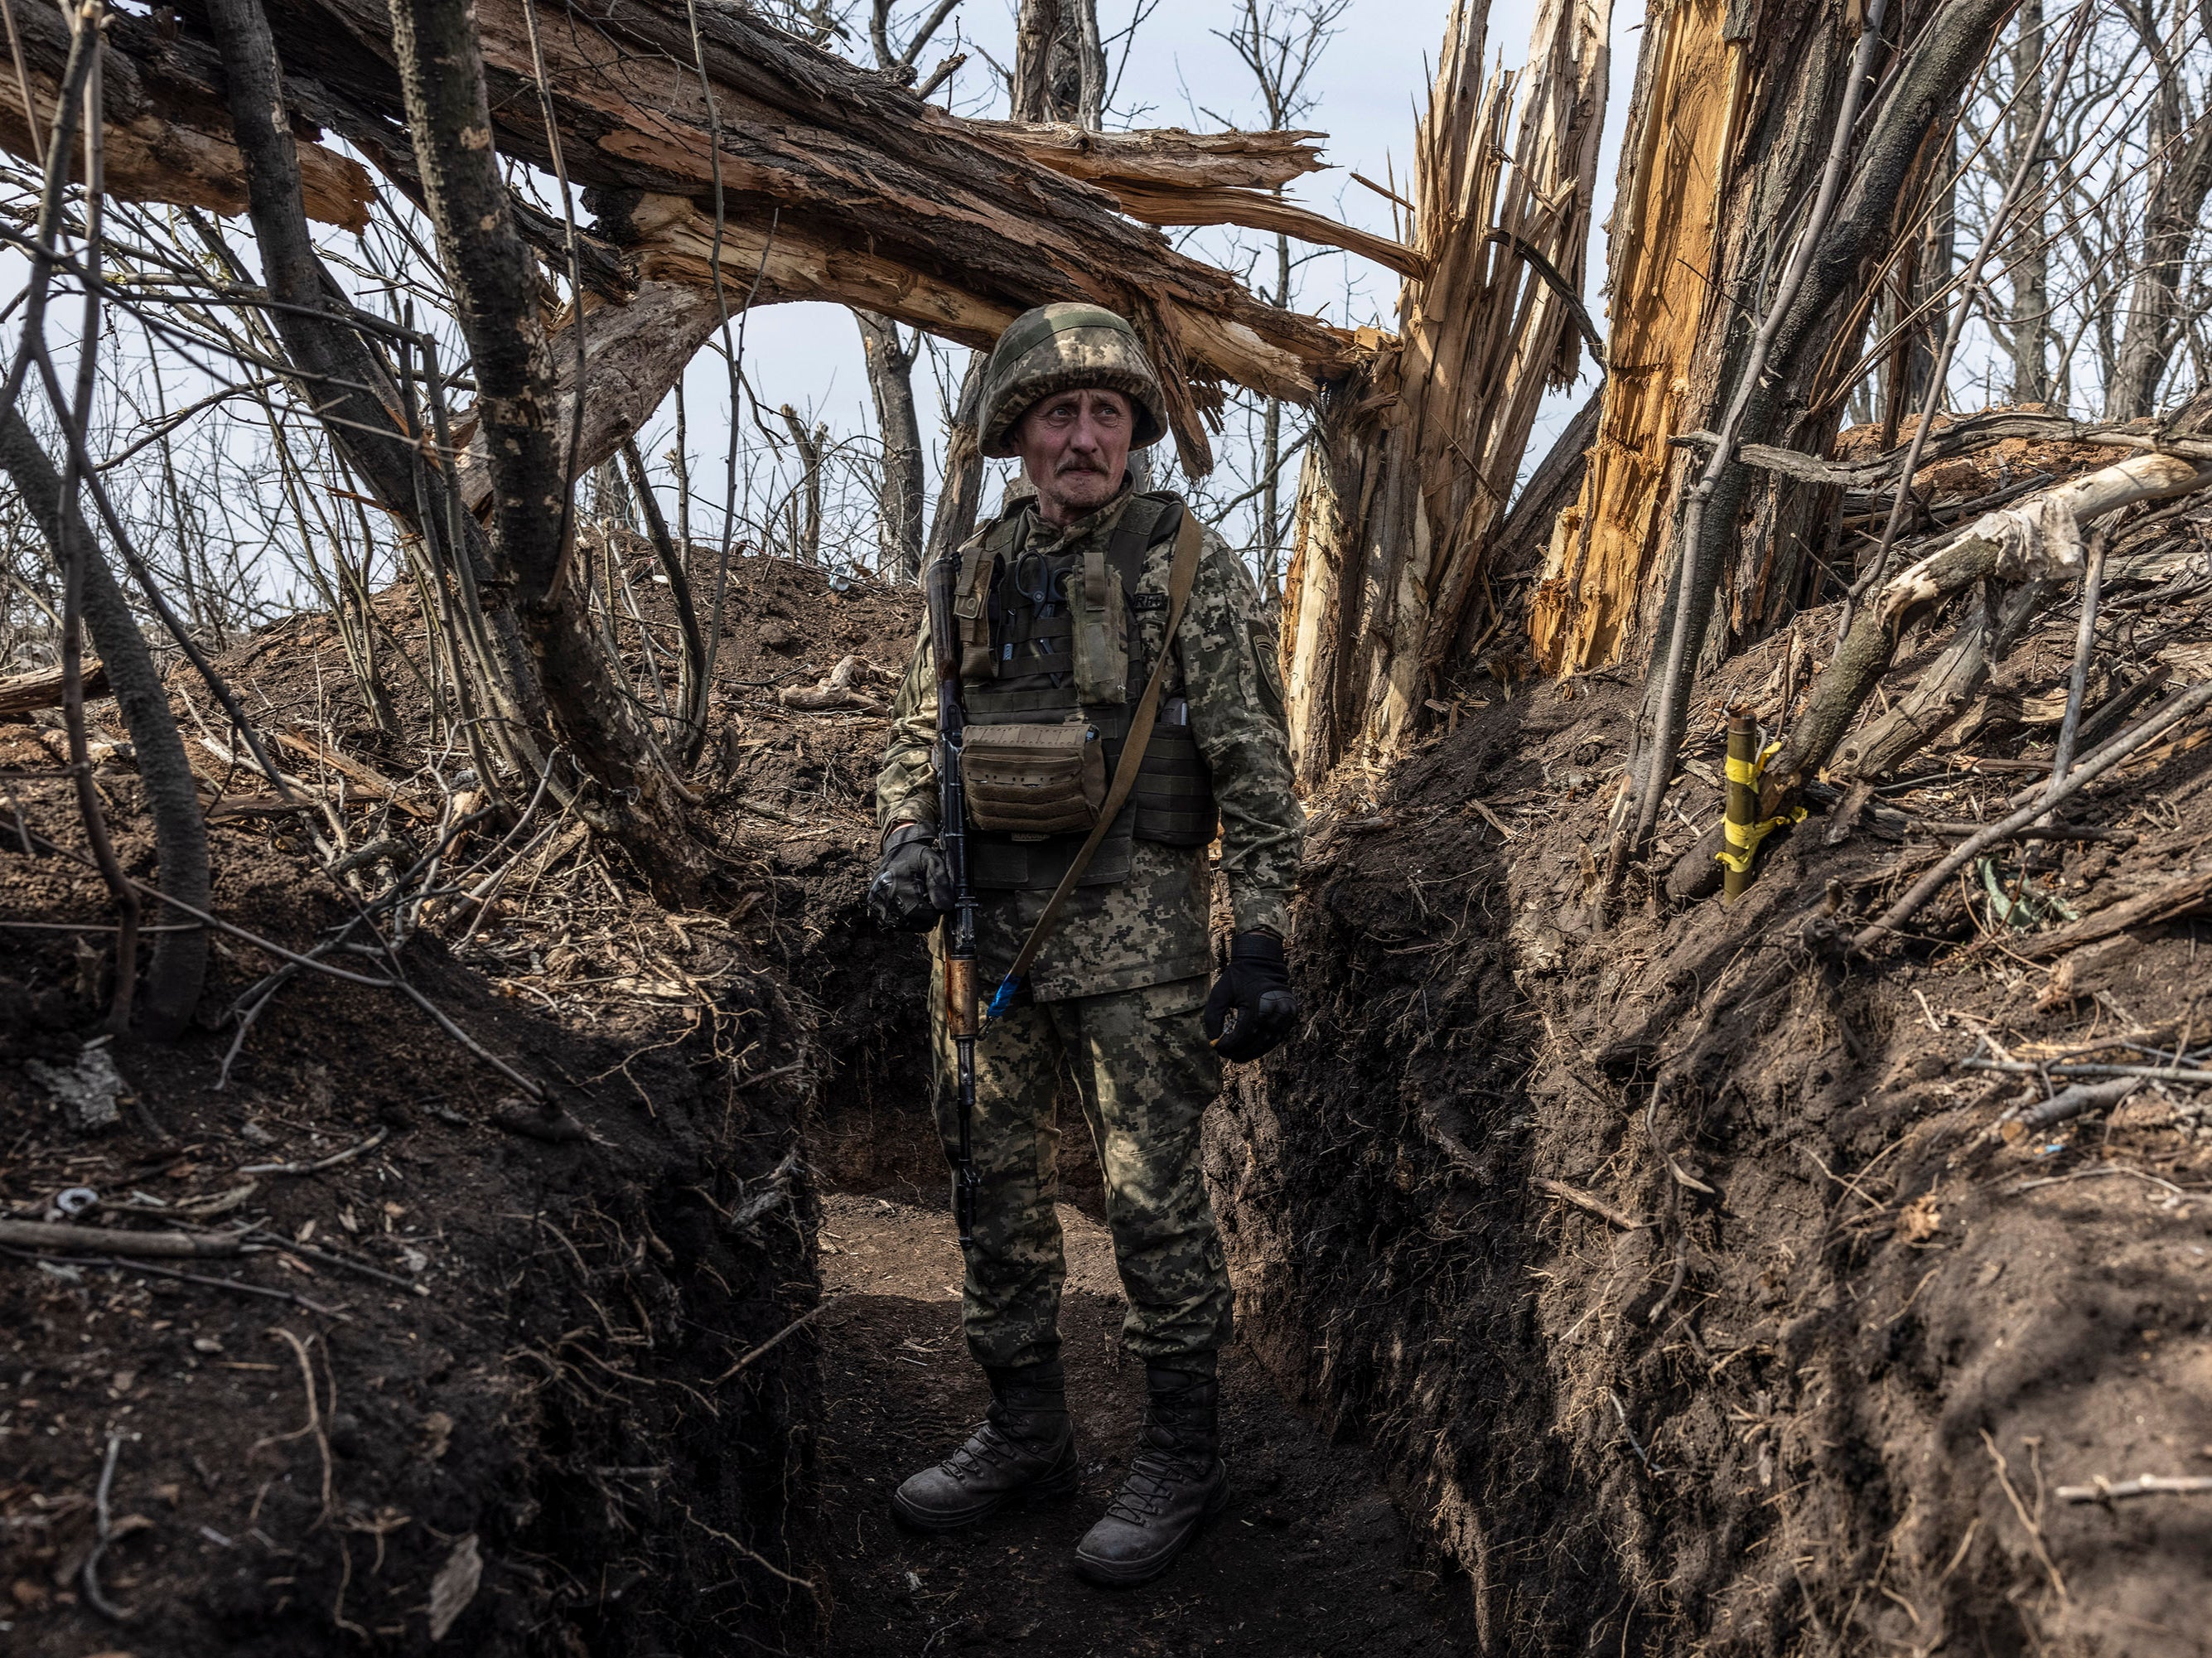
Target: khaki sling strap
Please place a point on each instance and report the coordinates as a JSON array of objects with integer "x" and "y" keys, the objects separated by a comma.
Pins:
[{"x": 1182, "y": 575}]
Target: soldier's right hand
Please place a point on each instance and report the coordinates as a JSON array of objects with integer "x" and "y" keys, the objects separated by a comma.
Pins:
[{"x": 914, "y": 884}]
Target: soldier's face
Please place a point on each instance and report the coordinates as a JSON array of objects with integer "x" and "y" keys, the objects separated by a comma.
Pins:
[{"x": 1075, "y": 447}]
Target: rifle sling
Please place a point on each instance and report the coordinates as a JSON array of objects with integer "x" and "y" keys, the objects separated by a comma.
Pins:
[{"x": 1182, "y": 575}]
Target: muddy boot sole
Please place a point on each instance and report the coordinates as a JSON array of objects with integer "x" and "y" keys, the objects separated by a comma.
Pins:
[
  {"x": 1052, "y": 1488},
  {"x": 1127, "y": 1574}
]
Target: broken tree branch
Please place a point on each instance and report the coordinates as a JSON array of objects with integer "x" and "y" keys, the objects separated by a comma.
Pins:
[{"x": 2088, "y": 772}]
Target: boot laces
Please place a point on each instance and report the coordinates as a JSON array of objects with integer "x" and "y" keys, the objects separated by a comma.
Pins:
[
  {"x": 985, "y": 1447},
  {"x": 1154, "y": 1477}
]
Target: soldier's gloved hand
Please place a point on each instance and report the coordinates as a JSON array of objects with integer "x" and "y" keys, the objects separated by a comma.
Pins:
[
  {"x": 1252, "y": 999},
  {"x": 914, "y": 884}
]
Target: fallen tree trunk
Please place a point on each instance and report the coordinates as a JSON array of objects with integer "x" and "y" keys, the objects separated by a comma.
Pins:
[
  {"x": 26, "y": 693},
  {"x": 839, "y": 184}
]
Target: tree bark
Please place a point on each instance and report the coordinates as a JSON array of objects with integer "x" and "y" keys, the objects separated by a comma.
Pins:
[
  {"x": 493, "y": 276},
  {"x": 961, "y": 493},
  {"x": 890, "y": 380},
  {"x": 2028, "y": 267},
  {"x": 177, "y": 968},
  {"x": 2181, "y": 180}
]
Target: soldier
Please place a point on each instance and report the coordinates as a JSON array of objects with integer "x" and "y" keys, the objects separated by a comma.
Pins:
[{"x": 1062, "y": 604}]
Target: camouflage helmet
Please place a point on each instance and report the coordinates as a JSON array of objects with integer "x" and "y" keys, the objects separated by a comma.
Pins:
[{"x": 1067, "y": 347}]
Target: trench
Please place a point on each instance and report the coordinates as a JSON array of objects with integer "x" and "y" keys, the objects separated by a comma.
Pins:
[
  {"x": 1313, "y": 1554},
  {"x": 1601, "y": 1287}
]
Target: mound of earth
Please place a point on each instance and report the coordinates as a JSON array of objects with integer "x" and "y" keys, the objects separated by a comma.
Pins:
[{"x": 1687, "y": 1273}]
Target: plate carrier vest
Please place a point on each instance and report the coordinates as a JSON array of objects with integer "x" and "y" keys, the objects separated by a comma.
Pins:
[{"x": 1070, "y": 662}]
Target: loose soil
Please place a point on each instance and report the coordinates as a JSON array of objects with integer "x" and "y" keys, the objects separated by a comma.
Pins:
[
  {"x": 1816, "y": 1387},
  {"x": 1309, "y": 1558},
  {"x": 1810, "y": 1388}
]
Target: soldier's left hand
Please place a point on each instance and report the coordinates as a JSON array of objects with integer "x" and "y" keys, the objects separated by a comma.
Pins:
[{"x": 1253, "y": 1009}]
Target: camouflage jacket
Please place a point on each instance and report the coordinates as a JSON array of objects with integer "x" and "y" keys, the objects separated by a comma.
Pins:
[{"x": 1153, "y": 927}]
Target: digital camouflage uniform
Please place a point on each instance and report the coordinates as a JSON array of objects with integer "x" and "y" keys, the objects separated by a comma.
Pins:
[{"x": 1115, "y": 996}]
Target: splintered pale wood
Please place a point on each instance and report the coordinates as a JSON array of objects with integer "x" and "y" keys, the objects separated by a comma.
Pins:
[
  {"x": 1409, "y": 475},
  {"x": 1164, "y": 155},
  {"x": 1664, "y": 242}
]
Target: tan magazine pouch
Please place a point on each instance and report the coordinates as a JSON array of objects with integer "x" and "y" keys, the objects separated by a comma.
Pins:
[{"x": 1034, "y": 780}]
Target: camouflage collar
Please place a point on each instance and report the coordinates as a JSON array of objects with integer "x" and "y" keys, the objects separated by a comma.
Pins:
[{"x": 1043, "y": 537}]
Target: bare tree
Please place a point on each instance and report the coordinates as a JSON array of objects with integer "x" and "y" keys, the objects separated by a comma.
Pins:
[
  {"x": 1281, "y": 42},
  {"x": 2181, "y": 178},
  {"x": 890, "y": 355}
]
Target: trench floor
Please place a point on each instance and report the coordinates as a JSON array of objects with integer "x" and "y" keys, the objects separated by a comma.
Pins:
[{"x": 1310, "y": 1557}]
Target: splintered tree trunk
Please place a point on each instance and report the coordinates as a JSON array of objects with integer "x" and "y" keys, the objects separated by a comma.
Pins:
[
  {"x": 846, "y": 186},
  {"x": 1412, "y": 464},
  {"x": 1730, "y": 130}
]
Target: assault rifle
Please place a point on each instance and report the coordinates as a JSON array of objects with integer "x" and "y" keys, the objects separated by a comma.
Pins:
[{"x": 959, "y": 933}]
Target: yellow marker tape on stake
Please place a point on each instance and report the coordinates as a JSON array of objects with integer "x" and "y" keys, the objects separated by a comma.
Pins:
[{"x": 1743, "y": 839}]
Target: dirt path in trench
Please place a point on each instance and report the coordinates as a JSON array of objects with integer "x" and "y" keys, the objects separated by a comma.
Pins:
[{"x": 1310, "y": 1557}]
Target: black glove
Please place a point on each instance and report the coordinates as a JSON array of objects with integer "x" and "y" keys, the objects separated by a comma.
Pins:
[
  {"x": 913, "y": 884},
  {"x": 1255, "y": 987}
]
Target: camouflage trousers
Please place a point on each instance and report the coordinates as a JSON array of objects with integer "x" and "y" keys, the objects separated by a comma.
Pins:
[{"x": 1145, "y": 1075}]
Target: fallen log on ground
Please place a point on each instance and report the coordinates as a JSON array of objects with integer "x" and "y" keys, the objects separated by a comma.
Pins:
[
  {"x": 100, "y": 1240},
  {"x": 26, "y": 693}
]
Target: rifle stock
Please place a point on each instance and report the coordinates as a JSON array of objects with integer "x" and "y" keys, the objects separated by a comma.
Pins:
[{"x": 958, "y": 937}]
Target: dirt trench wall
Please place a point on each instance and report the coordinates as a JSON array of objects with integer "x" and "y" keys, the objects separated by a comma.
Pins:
[
  {"x": 561, "y": 1402},
  {"x": 1809, "y": 1389}
]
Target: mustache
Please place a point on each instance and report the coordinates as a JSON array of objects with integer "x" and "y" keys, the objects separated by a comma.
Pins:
[{"x": 1079, "y": 464}]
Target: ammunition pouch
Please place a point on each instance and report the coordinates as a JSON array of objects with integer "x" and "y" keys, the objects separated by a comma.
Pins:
[
  {"x": 1048, "y": 703},
  {"x": 1034, "y": 780}
]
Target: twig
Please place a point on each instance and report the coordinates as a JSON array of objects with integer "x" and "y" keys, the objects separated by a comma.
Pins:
[
  {"x": 329, "y": 1260},
  {"x": 292, "y": 1295},
  {"x": 346, "y": 1156},
  {"x": 2163, "y": 1073},
  {"x": 2088, "y": 772},
  {"x": 47, "y": 1235},
  {"x": 1598, "y": 1206},
  {"x": 2085, "y": 645},
  {"x": 2099, "y": 1173},
  {"x": 2026, "y": 1520},
  {"x": 90, "y": 1572},
  {"x": 1635, "y": 1444},
  {"x": 2102, "y": 1490},
  {"x": 792, "y": 1329},
  {"x": 2071, "y": 1103},
  {"x": 315, "y": 1423}
]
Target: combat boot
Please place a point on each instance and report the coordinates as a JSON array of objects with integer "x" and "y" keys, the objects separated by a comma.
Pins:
[
  {"x": 1024, "y": 1452},
  {"x": 1175, "y": 1480}
]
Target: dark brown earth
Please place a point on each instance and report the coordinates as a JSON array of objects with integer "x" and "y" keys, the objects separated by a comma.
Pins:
[
  {"x": 1817, "y": 1396},
  {"x": 1820, "y": 1396},
  {"x": 498, "y": 1337},
  {"x": 1308, "y": 1559}
]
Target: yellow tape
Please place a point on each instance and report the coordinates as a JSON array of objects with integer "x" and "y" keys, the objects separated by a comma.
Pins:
[
  {"x": 1747, "y": 836},
  {"x": 1745, "y": 772}
]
